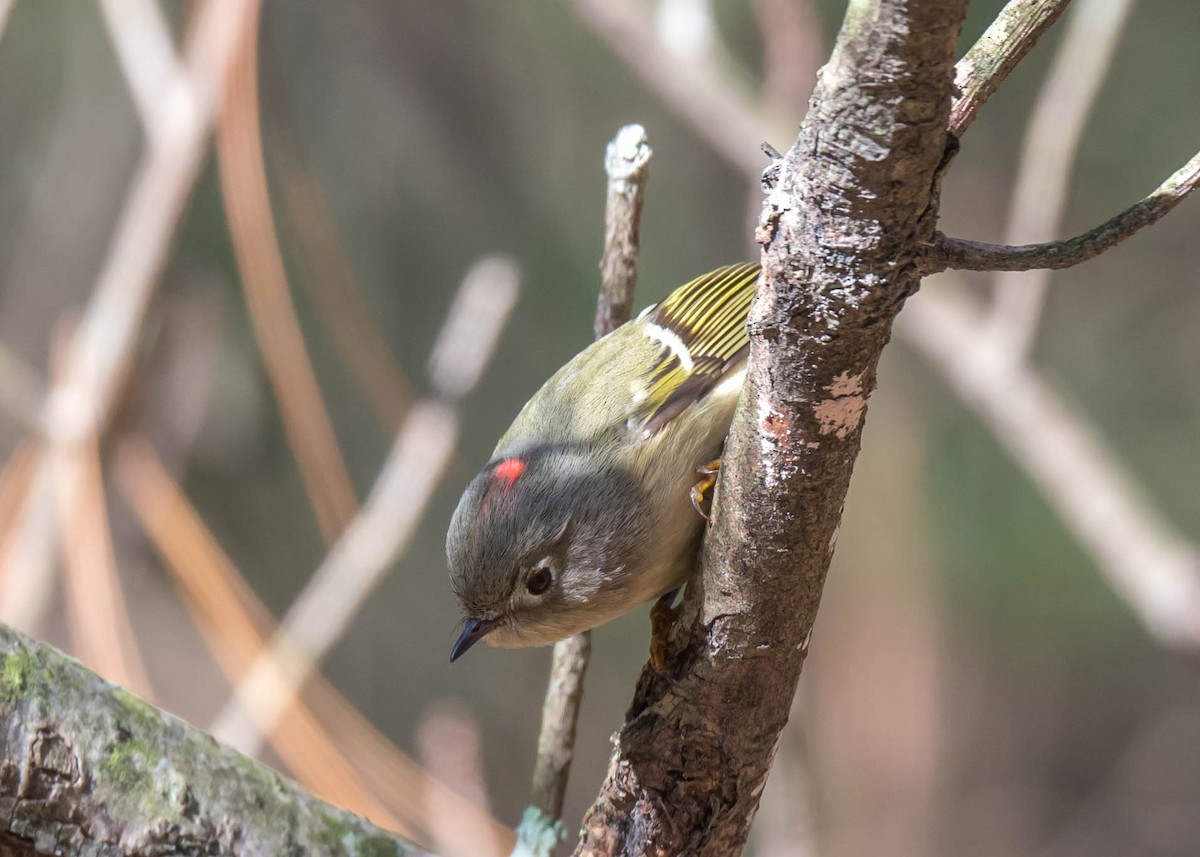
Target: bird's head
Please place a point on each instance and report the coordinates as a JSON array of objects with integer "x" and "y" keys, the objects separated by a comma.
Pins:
[{"x": 545, "y": 544}]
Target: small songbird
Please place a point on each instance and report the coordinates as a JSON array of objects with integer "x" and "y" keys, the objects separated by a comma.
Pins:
[{"x": 589, "y": 504}]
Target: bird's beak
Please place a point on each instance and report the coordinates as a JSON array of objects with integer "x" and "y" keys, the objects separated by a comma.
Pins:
[{"x": 475, "y": 631}]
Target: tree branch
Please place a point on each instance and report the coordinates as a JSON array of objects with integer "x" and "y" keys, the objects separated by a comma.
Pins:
[
  {"x": 963, "y": 255},
  {"x": 88, "y": 768},
  {"x": 626, "y": 163},
  {"x": 1001, "y": 47},
  {"x": 854, "y": 198}
]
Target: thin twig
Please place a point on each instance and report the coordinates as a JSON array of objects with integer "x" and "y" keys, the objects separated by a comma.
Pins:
[
  {"x": 626, "y": 164},
  {"x": 959, "y": 254},
  {"x": 306, "y": 420},
  {"x": 1093, "y": 29},
  {"x": 384, "y": 527},
  {"x": 450, "y": 747},
  {"x": 146, "y": 52},
  {"x": 101, "y": 351},
  {"x": 625, "y": 161},
  {"x": 1153, "y": 569},
  {"x": 991, "y": 59}
]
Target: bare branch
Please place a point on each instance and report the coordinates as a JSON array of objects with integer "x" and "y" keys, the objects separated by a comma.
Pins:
[
  {"x": 958, "y": 254},
  {"x": 991, "y": 59},
  {"x": 389, "y": 517},
  {"x": 1093, "y": 29},
  {"x": 1153, "y": 569},
  {"x": 146, "y": 51},
  {"x": 96, "y": 605},
  {"x": 625, "y": 162}
]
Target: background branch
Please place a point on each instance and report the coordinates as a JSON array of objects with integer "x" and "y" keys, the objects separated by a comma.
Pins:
[
  {"x": 1154, "y": 570},
  {"x": 101, "y": 350}
]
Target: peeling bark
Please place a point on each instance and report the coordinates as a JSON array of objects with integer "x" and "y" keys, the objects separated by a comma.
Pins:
[
  {"x": 90, "y": 770},
  {"x": 854, "y": 201}
]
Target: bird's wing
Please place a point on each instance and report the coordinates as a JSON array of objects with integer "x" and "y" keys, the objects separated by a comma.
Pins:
[{"x": 701, "y": 327}]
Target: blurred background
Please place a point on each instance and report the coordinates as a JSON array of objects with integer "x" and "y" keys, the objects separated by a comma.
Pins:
[{"x": 209, "y": 341}]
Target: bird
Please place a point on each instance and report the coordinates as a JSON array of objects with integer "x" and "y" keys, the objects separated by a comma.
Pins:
[{"x": 588, "y": 505}]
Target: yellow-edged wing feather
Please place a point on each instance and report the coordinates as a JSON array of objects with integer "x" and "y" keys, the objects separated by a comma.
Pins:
[{"x": 702, "y": 328}]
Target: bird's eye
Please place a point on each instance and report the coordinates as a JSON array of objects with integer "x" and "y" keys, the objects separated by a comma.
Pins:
[{"x": 539, "y": 581}]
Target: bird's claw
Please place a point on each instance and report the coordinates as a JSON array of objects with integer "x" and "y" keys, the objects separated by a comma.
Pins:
[{"x": 699, "y": 492}]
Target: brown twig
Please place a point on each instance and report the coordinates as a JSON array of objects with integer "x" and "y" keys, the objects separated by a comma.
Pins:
[
  {"x": 959, "y": 254},
  {"x": 389, "y": 517},
  {"x": 306, "y": 420},
  {"x": 1001, "y": 47}
]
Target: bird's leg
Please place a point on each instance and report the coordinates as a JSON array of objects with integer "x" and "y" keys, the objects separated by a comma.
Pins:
[
  {"x": 662, "y": 620},
  {"x": 700, "y": 491}
]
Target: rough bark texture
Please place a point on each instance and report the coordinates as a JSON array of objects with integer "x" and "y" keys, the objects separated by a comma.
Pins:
[
  {"x": 1009, "y": 38},
  {"x": 90, "y": 770},
  {"x": 854, "y": 201}
]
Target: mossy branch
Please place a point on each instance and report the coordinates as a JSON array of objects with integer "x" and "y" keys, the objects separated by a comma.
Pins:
[{"x": 89, "y": 769}]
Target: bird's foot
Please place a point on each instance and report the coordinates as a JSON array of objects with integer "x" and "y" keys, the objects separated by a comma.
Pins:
[{"x": 700, "y": 493}]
